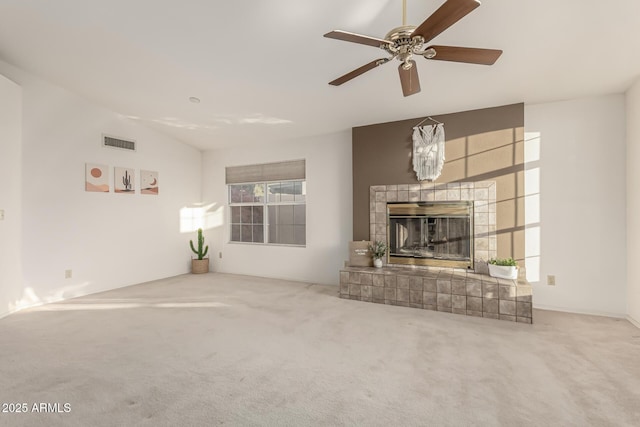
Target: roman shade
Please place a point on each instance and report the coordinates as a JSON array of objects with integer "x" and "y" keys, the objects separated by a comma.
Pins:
[{"x": 265, "y": 172}]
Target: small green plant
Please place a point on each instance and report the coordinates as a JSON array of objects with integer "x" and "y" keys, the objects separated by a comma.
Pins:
[
  {"x": 201, "y": 254},
  {"x": 378, "y": 249},
  {"x": 505, "y": 262}
]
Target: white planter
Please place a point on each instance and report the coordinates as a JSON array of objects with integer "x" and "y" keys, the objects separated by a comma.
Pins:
[
  {"x": 503, "y": 271},
  {"x": 377, "y": 263}
]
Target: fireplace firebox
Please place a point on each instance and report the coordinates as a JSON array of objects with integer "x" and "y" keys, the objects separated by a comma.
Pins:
[{"x": 436, "y": 234}]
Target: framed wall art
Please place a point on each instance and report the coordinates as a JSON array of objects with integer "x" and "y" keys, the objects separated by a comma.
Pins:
[
  {"x": 124, "y": 180},
  {"x": 149, "y": 182},
  {"x": 96, "y": 178}
]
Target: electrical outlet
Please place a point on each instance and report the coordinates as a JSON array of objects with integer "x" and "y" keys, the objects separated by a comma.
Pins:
[
  {"x": 68, "y": 274},
  {"x": 220, "y": 254},
  {"x": 551, "y": 280}
]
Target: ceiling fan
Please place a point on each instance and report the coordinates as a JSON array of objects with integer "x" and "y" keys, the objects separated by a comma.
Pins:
[{"x": 404, "y": 42}]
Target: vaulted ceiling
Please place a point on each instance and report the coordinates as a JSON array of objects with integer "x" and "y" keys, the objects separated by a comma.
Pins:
[{"x": 261, "y": 68}]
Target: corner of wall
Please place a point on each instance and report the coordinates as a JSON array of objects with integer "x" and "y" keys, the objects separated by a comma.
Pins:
[{"x": 632, "y": 109}]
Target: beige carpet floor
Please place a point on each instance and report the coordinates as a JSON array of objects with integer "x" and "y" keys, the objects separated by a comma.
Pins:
[{"x": 220, "y": 349}]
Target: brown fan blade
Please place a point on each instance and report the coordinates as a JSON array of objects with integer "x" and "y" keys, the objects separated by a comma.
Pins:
[
  {"x": 409, "y": 79},
  {"x": 448, "y": 14},
  {"x": 355, "y": 73},
  {"x": 356, "y": 38},
  {"x": 470, "y": 55}
]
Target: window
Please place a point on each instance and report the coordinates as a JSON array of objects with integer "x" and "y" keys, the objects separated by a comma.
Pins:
[{"x": 268, "y": 212}]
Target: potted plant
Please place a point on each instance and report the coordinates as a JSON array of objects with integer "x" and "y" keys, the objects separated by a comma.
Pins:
[
  {"x": 201, "y": 264},
  {"x": 504, "y": 268},
  {"x": 378, "y": 251}
]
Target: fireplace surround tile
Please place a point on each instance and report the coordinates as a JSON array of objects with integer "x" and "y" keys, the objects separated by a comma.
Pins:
[
  {"x": 425, "y": 288},
  {"x": 402, "y": 282},
  {"x": 482, "y": 193},
  {"x": 459, "y": 287},
  {"x": 491, "y": 305}
]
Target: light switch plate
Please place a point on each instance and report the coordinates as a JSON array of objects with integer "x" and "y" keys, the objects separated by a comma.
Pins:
[{"x": 1, "y": 214}]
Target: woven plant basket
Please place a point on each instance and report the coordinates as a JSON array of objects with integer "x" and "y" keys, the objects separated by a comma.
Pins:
[{"x": 199, "y": 266}]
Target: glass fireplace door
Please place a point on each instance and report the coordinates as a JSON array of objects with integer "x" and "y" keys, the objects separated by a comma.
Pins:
[{"x": 438, "y": 232}]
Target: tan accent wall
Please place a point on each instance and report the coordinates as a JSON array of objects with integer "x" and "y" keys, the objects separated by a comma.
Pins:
[{"x": 480, "y": 145}]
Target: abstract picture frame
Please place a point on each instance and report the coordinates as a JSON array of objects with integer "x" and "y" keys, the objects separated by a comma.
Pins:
[
  {"x": 149, "y": 182},
  {"x": 96, "y": 178}
]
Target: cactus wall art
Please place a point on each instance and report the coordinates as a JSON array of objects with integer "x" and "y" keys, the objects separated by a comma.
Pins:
[{"x": 124, "y": 180}]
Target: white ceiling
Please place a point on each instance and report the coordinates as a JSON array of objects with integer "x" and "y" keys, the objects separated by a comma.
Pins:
[{"x": 261, "y": 68}]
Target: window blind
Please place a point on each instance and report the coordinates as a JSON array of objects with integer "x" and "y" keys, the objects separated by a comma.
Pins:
[{"x": 279, "y": 171}]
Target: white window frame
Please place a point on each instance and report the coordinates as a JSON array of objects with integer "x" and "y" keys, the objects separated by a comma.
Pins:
[{"x": 265, "y": 204}]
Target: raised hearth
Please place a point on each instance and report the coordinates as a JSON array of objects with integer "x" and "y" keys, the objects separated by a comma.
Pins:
[{"x": 451, "y": 290}]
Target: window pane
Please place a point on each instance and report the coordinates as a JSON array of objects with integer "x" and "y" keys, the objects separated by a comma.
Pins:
[
  {"x": 281, "y": 228},
  {"x": 245, "y": 189},
  {"x": 299, "y": 235},
  {"x": 258, "y": 214},
  {"x": 285, "y": 234},
  {"x": 258, "y": 193},
  {"x": 253, "y": 193},
  {"x": 299, "y": 214},
  {"x": 235, "y": 193},
  {"x": 287, "y": 191},
  {"x": 272, "y": 234},
  {"x": 258, "y": 233},
  {"x": 246, "y": 233},
  {"x": 285, "y": 214},
  {"x": 235, "y": 215},
  {"x": 247, "y": 215},
  {"x": 274, "y": 192},
  {"x": 235, "y": 233},
  {"x": 300, "y": 191}
]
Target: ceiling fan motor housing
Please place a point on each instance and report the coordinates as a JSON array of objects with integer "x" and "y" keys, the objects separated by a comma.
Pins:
[{"x": 403, "y": 44}]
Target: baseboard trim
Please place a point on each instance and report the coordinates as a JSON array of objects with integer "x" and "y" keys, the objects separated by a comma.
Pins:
[
  {"x": 633, "y": 321},
  {"x": 578, "y": 311}
]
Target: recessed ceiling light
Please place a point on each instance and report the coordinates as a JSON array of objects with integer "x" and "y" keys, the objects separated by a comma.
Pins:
[{"x": 194, "y": 100}]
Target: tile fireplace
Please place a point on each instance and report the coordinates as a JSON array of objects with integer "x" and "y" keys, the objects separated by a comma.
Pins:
[{"x": 439, "y": 225}]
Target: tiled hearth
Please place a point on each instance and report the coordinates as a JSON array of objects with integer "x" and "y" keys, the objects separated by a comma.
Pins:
[
  {"x": 482, "y": 193},
  {"x": 452, "y": 290},
  {"x": 442, "y": 289}
]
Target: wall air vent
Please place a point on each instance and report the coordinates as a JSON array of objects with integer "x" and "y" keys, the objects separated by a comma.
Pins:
[{"x": 123, "y": 144}]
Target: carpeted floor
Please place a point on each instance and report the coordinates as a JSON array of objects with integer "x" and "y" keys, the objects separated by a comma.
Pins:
[{"x": 220, "y": 349}]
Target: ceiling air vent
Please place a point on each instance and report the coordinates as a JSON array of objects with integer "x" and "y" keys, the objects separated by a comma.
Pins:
[{"x": 123, "y": 144}]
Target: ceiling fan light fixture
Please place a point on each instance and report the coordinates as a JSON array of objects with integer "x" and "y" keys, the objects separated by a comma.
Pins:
[
  {"x": 429, "y": 53},
  {"x": 406, "y": 65}
]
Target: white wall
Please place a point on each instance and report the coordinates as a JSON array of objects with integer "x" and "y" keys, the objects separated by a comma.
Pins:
[
  {"x": 582, "y": 199},
  {"x": 10, "y": 193},
  {"x": 633, "y": 202},
  {"x": 107, "y": 240},
  {"x": 329, "y": 211}
]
